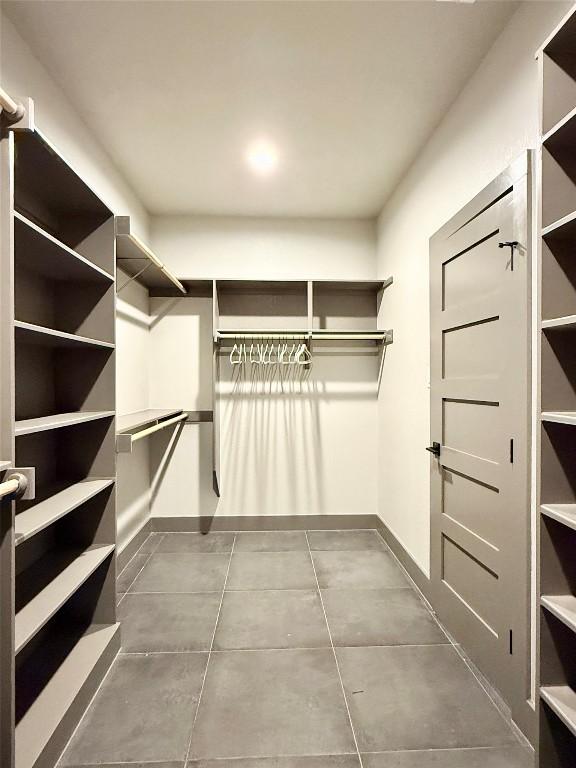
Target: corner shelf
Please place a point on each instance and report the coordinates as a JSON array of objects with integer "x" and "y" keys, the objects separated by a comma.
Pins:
[
  {"x": 68, "y": 571},
  {"x": 49, "y": 716},
  {"x": 38, "y": 517},
  {"x": 49, "y": 337},
  {"x": 58, "y": 421}
]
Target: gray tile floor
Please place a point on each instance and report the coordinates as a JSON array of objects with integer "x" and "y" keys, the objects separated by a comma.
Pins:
[{"x": 284, "y": 650}]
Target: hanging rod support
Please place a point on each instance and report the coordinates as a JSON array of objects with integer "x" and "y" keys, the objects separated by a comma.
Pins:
[
  {"x": 134, "y": 277},
  {"x": 12, "y": 111}
]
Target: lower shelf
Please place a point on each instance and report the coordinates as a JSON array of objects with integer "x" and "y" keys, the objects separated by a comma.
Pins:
[
  {"x": 47, "y": 722},
  {"x": 67, "y": 571},
  {"x": 562, "y": 701}
]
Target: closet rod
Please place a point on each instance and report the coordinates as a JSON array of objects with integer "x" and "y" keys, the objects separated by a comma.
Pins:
[
  {"x": 11, "y": 109},
  {"x": 15, "y": 485},
  {"x": 155, "y": 260},
  {"x": 156, "y": 427}
]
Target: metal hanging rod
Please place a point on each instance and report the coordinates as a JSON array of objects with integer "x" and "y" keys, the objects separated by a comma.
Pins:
[
  {"x": 15, "y": 485},
  {"x": 385, "y": 337},
  {"x": 124, "y": 441},
  {"x": 12, "y": 111}
]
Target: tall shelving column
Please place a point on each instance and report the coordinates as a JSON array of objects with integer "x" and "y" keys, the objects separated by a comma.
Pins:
[
  {"x": 557, "y": 491},
  {"x": 63, "y": 424}
]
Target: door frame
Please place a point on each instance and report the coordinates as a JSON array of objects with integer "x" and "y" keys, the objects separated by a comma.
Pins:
[{"x": 518, "y": 177}]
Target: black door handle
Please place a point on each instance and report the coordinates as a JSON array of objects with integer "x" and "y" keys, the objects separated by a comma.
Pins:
[{"x": 434, "y": 448}]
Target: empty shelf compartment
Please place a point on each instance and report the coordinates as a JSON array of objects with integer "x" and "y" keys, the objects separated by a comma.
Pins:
[
  {"x": 28, "y": 333},
  {"x": 39, "y": 516},
  {"x": 52, "y": 195},
  {"x": 42, "y": 589},
  {"x": 55, "y": 683},
  {"x": 563, "y": 607},
  {"x": 562, "y": 700}
]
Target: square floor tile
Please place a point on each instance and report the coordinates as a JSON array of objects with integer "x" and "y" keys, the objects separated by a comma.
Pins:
[
  {"x": 417, "y": 697},
  {"x": 151, "y": 544},
  {"x": 182, "y": 573},
  {"x": 271, "y": 541},
  {"x": 273, "y": 619},
  {"x": 209, "y": 543},
  {"x": 177, "y": 622},
  {"x": 315, "y": 761},
  {"x": 271, "y": 570},
  {"x": 345, "y": 540},
  {"x": 497, "y": 757},
  {"x": 143, "y": 711},
  {"x": 379, "y": 617},
  {"x": 358, "y": 570},
  {"x": 129, "y": 573},
  {"x": 171, "y": 764},
  {"x": 261, "y": 703}
]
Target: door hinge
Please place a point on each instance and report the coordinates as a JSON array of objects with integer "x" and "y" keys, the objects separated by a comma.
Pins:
[
  {"x": 511, "y": 450},
  {"x": 510, "y": 649}
]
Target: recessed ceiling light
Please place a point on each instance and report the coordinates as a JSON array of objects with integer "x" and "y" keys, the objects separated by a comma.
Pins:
[{"x": 262, "y": 157}]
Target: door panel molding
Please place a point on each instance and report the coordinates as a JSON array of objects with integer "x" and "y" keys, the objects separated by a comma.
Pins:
[{"x": 480, "y": 357}]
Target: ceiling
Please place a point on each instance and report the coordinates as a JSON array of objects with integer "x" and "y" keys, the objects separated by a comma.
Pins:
[{"x": 347, "y": 91}]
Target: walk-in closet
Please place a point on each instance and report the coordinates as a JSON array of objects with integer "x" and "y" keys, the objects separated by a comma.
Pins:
[{"x": 287, "y": 384}]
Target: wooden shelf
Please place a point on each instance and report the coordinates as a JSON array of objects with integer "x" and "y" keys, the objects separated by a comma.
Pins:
[
  {"x": 568, "y": 120},
  {"x": 68, "y": 571},
  {"x": 563, "y": 607},
  {"x": 48, "y": 191},
  {"x": 145, "y": 418},
  {"x": 134, "y": 257},
  {"x": 562, "y": 700},
  {"x": 562, "y": 228},
  {"x": 562, "y": 513},
  {"x": 58, "y": 421},
  {"x": 40, "y": 516},
  {"x": 561, "y": 323},
  {"x": 49, "y": 337},
  {"x": 43, "y": 727},
  {"x": 44, "y": 254},
  {"x": 560, "y": 417}
]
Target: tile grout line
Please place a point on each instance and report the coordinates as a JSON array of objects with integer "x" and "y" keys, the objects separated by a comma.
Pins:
[
  {"x": 141, "y": 569},
  {"x": 187, "y": 756},
  {"x": 520, "y": 737},
  {"x": 59, "y": 763},
  {"x": 334, "y": 654}
]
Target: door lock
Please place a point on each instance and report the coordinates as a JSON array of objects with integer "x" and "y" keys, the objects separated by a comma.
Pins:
[{"x": 435, "y": 449}]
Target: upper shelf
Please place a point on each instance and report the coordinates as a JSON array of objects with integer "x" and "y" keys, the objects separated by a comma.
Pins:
[
  {"x": 144, "y": 418},
  {"x": 50, "y": 192},
  {"x": 44, "y": 254},
  {"x": 138, "y": 261}
]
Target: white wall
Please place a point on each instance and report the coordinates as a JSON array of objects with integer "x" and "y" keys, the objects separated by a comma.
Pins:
[
  {"x": 220, "y": 247},
  {"x": 493, "y": 120},
  {"x": 283, "y": 452},
  {"x": 21, "y": 74}
]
